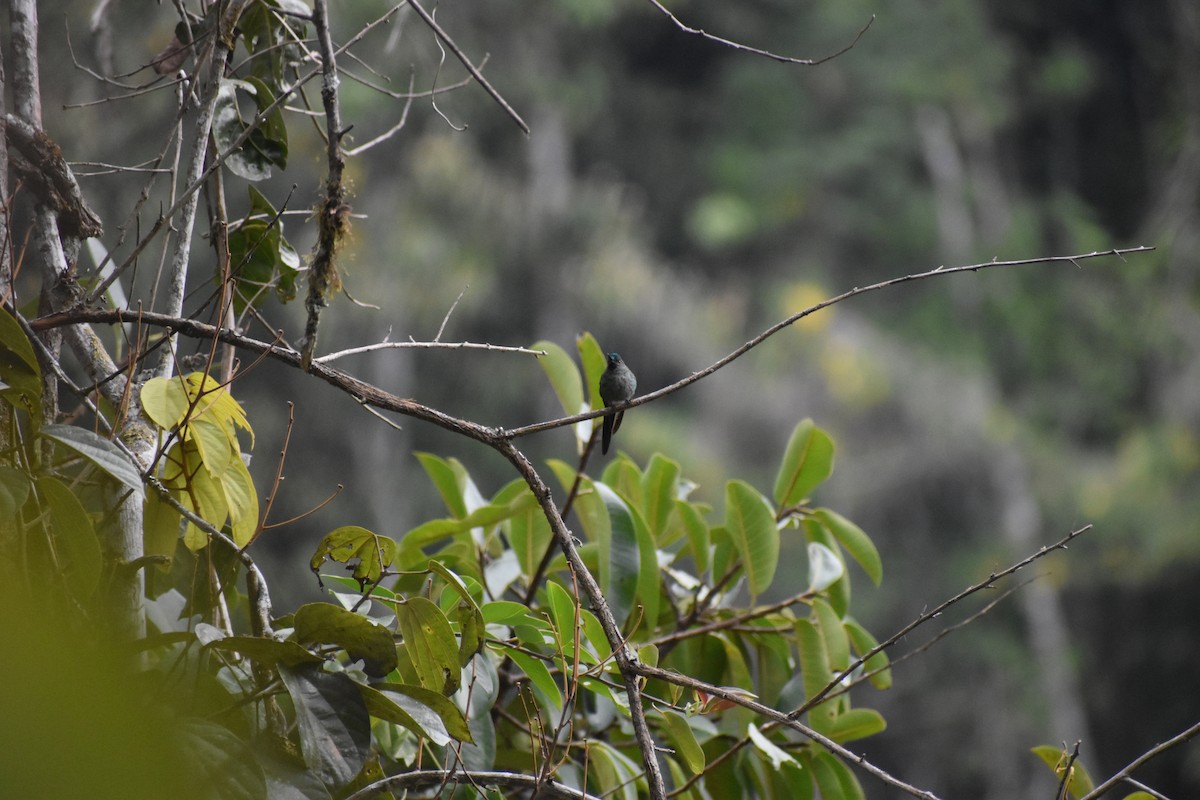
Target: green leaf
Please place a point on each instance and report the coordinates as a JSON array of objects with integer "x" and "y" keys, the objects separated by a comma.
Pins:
[
  {"x": 658, "y": 489},
  {"x": 442, "y": 474},
  {"x": 1079, "y": 782},
  {"x": 835, "y": 779},
  {"x": 620, "y": 559},
  {"x": 245, "y": 161},
  {"x": 267, "y": 652},
  {"x": 19, "y": 371},
  {"x": 374, "y": 553},
  {"x": 270, "y": 140},
  {"x": 443, "y": 707},
  {"x": 683, "y": 738},
  {"x": 529, "y": 535},
  {"x": 325, "y": 623},
  {"x": 614, "y": 771},
  {"x": 854, "y": 540},
  {"x": 837, "y": 642},
  {"x": 649, "y": 577},
  {"x": 774, "y": 753},
  {"x": 696, "y": 528},
  {"x": 430, "y": 643},
  {"x": 856, "y": 723},
  {"x": 403, "y": 710},
  {"x": 14, "y": 491},
  {"x": 563, "y": 610},
  {"x": 864, "y": 642},
  {"x": 538, "y": 674},
  {"x": 839, "y": 591},
  {"x": 594, "y": 363},
  {"x": 101, "y": 452},
  {"x": 751, "y": 525},
  {"x": 75, "y": 539},
  {"x": 335, "y": 728},
  {"x": 470, "y": 616},
  {"x": 563, "y": 374},
  {"x": 807, "y": 462},
  {"x": 507, "y": 612},
  {"x": 262, "y": 261},
  {"x": 814, "y": 668},
  {"x": 217, "y": 763}
]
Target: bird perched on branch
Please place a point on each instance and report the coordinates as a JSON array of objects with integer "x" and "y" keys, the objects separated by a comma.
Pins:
[{"x": 617, "y": 386}]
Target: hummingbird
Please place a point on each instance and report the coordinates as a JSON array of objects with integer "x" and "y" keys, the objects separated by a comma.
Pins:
[{"x": 617, "y": 386}]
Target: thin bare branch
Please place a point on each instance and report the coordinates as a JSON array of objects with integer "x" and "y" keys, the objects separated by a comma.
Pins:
[
  {"x": 777, "y": 327},
  {"x": 471, "y": 68},
  {"x": 808, "y": 62},
  {"x": 779, "y": 719},
  {"x": 1157, "y": 750},
  {"x": 367, "y": 348},
  {"x": 550, "y": 790}
]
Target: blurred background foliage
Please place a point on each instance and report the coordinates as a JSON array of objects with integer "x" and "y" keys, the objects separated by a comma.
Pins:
[{"x": 676, "y": 196}]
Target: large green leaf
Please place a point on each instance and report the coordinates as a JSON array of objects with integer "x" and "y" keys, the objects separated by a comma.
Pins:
[
  {"x": 101, "y": 452},
  {"x": 854, "y": 540},
  {"x": 335, "y": 728},
  {"x": 563, "y": 374},
  {"x": 751, "y": 525},
  {"x": 443, "y": 707},
  {"x": 834, "y": 779},
  {"x": 371, "y": 552},
  {"x": 261, "y": 260},
  {"x": 75, "y": 539},
  {"x": 696, "y": 528},
  {"x": 837, "y": 642},
  {"x": 20, "y": 376},
  {"x": 217, "y": 763},
  {"x": 267, "y": 652},
  {"x": 467, "y": 612},
  {"x": 325, "y": 623},
  {"x": 683, "y": 738},
  {"x": 659, "y": 490},
  {"x": 877, "y": 665},
  {"x": 445, "y": 481},
  {"x": 594, "y": 363},
  {"x": 430, "y": 643},
  {"x": 856, "y": 723},
  {"x": 620, "y": 554},
  {"x": 1079, "y": 782},
  {"x": 14, "y": 490},
  {"x": 814, "y": 667},
  {"x": 536, "y": 671},
  {"x": 403, "y": 710},
  {"x": 807, "y": 462}
]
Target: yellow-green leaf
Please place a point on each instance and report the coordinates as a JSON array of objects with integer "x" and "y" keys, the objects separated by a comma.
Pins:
[
  {"x": 854, "y": 540},
  {"x": 430, "y": 643},
  {"x": 751, "y": 525},
  {"x": 807, "y": 462}
]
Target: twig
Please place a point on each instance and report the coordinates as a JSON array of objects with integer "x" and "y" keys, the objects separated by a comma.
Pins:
[
  {"x": 1157, "y": 750},
  {"x": 446, "y": 318},
  {"x": 757, "y": 340},
  {"x": 778, "y": 718},
  {"x": 333, "y": 219},
  {"x": 627, "y": 662},
  {"x": 1061, "y": 794},
  {"x": 550, "y": 790},
  {"x": 466, "y": 62},
  {"x": 808, "y": 62},
  {"x": 987, "y": 583},
  {"x": 435, "y": 345}
]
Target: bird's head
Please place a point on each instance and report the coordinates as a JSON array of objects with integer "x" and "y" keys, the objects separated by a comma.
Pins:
[{"x": 613, "y": 359}]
